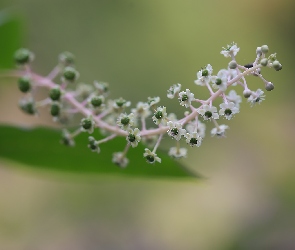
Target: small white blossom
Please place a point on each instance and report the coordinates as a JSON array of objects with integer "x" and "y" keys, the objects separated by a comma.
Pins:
[
  {"x": 208, "y": 112},
  {"x": 201, "y": 128},
  {"x": 120, "y": 160},
  {"x": 204, "y": 76},
  {"x": 219, "y": 131},
  {"x": 93, "y": 144},
  {"x": 87, "y": 125},
  {"x": 151, "y": 157},
  {"x": 219, "y": 81},
  {"x": 67, "y": 139},
  {"x": 133, "y": 137},
  {"x": 120, "y": 104},
  {"x": 160, "y": 116},
  {"x": 141, "y": 110},
  {"x": 177, "y": 153},
  {"x": 185, "y": 98},
  {"x": 125, "y": 121},
  {"x": 230, "y": 50},
  {"x": 101, "y": 87},
  {"x": 256, "y": 97},
  {"x": 193, "y": 139},
  {"x": 233, "y": 97},
  {"x": 175, "y": 130},
  {"x": 228, "y": 110},
  {"x": 153, "y": 100},
  {"x": 173, "y": 90}
]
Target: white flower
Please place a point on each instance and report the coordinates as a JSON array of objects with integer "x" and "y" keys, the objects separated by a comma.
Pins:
[
  {"x": 125, "y": 121},
  {"x": 201, "y": 128},
  {"x": 219, "y": 131},
  {"x": 93, "y": 144},
  {"x": 233, "y": 97},
  {"x": 204, "y": 75},
  {"x": 185, "y": 98},
  {"x": 219, "y": 81},
  {"x": 87, "y": 125},
  {"x": 120, "y": 104},
  {"x": 175, "y": 130},
  {"x": 151, "y": 157},
  {"x": 160, "y": 115},
  {"x": 177, "y": 153},
  {"x": 230, "y": 50},
  {"x": 173, "y": 90},
  {"x": 193, "y": 139},
  {"x": 256, "y": 97},
  {"x": 141, "y": 110},
  {"x": 208, "y": 112},
  {"x": 67, "y": 139},
  {"x": 228, "y": 110},
  {"x": 120, "y": 160},
  {"x": 153, "y": 101},
  {"x": 101, "y": 87},
  {"x": 133, "y": 137}
]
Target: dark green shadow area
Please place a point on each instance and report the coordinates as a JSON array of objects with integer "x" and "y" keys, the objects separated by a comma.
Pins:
[{"x": 40, "y": 148}]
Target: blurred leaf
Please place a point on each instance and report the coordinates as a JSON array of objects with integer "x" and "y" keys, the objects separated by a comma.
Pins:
[
  {"x": 10, "y": 34},
  {"x": 40, "y": 148}
]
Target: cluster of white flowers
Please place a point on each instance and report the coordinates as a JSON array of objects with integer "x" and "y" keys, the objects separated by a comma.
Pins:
[{"x": 113, "y": 118}]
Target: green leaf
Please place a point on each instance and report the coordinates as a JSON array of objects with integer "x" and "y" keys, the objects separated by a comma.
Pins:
[
  {"x": 10, "y": 38},
  {"x": 40, "y": 148}
]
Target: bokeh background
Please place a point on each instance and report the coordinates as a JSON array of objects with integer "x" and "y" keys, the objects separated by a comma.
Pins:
[{"x": 141, "y": 48}]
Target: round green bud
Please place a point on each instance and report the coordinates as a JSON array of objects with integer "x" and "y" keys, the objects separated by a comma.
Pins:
[
  {"x": 92, "y": 143},
  {"x": 269, "y": 86},
  {"x": 86, "y": 123},
  {"x": 264, "y": 62},
  {"x": 66, "y": 58},
  {"x": 70, "y": 74},
  {"x": 125, "y": 120},
  {"x": 205, "y": 72},
  {"x": 158, "y": 115},
  {"x": 276, "y": 65},
  {"x": 96, "y": 101},
  {"x": 23, "y": 56},
  {"x": 232, "y": 65},
  {"x": 218, "y": 81},
  {"x": 258, "y": 51},
  {"x": 55, "y": 94},
  {"x": 247, "y": 93},
  {"x": 28, "y": 107},
  {"x": 24, "y": 84},
  {"x": 55, "y": 109},
  {"x": 264, "y": 49}
]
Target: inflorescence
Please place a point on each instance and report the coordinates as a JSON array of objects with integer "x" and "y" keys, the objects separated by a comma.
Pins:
[{"x": 113, "y": 119}]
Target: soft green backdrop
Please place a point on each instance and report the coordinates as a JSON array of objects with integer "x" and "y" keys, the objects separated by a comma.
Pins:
[{"x": 141, "y": 48}]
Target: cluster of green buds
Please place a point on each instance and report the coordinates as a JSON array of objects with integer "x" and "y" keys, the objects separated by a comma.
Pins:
[{"x": 116, "y": 117}]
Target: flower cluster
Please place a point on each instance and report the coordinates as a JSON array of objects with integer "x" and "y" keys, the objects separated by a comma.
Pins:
[{"x": 116, "y": 118}]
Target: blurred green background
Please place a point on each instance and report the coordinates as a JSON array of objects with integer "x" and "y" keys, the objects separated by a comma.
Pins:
[{"x": 141, "y": 48}]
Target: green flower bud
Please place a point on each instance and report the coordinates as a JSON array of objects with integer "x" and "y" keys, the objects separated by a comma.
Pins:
[
  {"x": 96, "y": 101},
  {"x": 86, "y": 123},
  {"x": 264, "y": 49},
  {"x": 28, "y": 106},
  {"x": 66, "y": 58},
  {"x": 24, "y": 84},
  {"x": 232, "y": 65},
  {"x": 70, "y": 74},
  {"x": 55, "y": 94},
  {"x": 247, "y": 93},
  {"x": 276, "y": 65},
  {"x": 23, "y": 56},
  {"x": 264, "y": 62},
  {"x": 269, "y": 86},
  {"x": 55, "y": 109}
]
